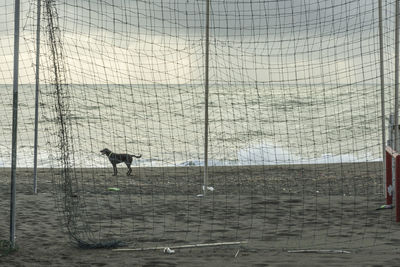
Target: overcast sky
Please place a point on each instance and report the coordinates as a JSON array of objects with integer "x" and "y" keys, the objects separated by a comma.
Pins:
[
  {"x": 163, "y": 41},
  {"x": 228, "y": 17}
]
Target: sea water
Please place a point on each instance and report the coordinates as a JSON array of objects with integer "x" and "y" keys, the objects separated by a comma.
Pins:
[{"x": 249, "y": 124}]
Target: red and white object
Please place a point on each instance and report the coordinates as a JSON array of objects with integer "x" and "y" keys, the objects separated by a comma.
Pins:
[{"x": 391, "y": 153}]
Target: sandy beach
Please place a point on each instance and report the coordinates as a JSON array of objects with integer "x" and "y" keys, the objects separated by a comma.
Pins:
[{"x": 276, "y": 212}]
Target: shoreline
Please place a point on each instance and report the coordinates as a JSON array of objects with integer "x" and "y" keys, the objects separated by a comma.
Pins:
[{"x": 296, "y": 179}]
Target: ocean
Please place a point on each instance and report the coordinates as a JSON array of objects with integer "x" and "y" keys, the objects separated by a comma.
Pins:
[{"x": 249, "y": 124}]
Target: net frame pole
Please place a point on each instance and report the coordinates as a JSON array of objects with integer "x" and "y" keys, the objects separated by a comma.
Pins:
[
  {"x": 382, "y": 73},
  {"x": 14, "y": 125},
  {"x": 389, "y": 176},
  {"x": 36, "y": 97},
  {"x": 206, "y": 90}
]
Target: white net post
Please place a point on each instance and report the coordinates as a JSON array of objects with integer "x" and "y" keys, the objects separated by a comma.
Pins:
[
  {"x": 206, "y": 85},
  {"x": 36, "y": 97},
  {"x": 14, "y": 125}
]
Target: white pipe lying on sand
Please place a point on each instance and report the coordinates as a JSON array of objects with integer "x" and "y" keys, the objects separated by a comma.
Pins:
[{"x": 184, "y": 246}]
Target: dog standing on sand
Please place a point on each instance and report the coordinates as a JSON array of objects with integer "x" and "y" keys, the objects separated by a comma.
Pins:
[{"x": 119, "y": 158}]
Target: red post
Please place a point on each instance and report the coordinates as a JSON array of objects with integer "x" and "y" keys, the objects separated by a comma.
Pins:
[
  {"x": 389, "y": 175},
  {"x": 397, "y": 188}
]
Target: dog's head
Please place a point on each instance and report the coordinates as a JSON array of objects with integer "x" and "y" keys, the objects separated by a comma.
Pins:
[{"x": 105, "y": 151}]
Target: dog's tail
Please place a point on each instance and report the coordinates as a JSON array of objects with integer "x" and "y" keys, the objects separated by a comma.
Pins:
[{"x": 138, "y": 157}]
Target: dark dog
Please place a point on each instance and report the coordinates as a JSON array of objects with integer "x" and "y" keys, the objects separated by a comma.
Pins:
[{"x": 119, "y": 158}]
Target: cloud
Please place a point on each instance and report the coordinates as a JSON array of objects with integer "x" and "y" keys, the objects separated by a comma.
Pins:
[{"x": 163, "y": 41}]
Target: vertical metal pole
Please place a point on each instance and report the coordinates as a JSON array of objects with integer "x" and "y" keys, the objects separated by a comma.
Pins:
[
  {"x": 206, "y": 97},
  {"x": 382, "y": 94},
  {"x": 390, "y": 141},
  {"x": 36, "y": 97},
  {"x": 391, "y": 145},
  {"x": 389, "y": 175},
  {"x": 14, "y": 124},
  {"x": 396, "y": 92},
  {"x": 396, "y": 86}
]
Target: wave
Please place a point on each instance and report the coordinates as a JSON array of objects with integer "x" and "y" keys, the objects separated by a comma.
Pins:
[{"x": 258, "y": 154}]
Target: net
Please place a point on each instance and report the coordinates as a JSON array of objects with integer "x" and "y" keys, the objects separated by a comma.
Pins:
[{"x": 294, "y": 121}]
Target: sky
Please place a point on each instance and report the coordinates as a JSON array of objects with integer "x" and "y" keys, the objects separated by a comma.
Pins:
[{"x": 163, "y": 41}]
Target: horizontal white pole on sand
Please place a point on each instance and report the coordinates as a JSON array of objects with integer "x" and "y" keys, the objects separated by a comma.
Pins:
[
  {"x": 184, "y": 246},
  {"x": 322, "y": 251}
]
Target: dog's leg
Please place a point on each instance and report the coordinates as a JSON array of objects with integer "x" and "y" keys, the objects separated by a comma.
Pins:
[
  {"x": 115, "y": 169},
  {"x": 129, "y": 169}
]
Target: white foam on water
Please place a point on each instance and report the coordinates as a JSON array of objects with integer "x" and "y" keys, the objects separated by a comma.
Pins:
[
  {"x": 265, "y": 154},
  {"x": 270, "y": 154}
]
